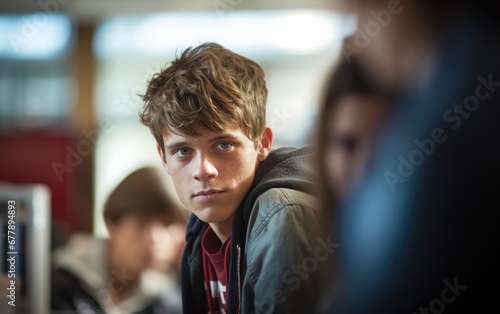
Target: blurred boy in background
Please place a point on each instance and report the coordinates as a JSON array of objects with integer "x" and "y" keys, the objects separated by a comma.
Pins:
[{"x": 136, "y": 270}]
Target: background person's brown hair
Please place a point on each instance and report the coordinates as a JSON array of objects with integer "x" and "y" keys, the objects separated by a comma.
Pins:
[
  {"x": 208, "y": 85},
  {"x": 143, "y": 193}
]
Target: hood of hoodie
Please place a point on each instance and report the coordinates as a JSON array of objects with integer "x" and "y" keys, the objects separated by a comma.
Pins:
[{"x": 85, "y": 256}]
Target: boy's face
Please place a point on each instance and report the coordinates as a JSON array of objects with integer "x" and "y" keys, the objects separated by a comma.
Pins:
[
  {"x": 213, "y": 172},
  {"x": 141, "y": 242}
]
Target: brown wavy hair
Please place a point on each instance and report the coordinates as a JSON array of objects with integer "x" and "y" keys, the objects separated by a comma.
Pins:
[
  {"x": 208, "y": 85},
  {"x": 143, "y": 193}
]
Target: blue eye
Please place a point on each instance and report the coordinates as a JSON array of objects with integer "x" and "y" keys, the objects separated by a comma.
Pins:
[
  {"x": 182, "y": 152},
  {"x": 223, "y": 146}
]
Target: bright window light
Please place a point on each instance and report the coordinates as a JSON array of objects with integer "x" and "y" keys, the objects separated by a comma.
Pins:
[
  {"x": 251, "y": 32},
  {"x": 34, "y": 36}
]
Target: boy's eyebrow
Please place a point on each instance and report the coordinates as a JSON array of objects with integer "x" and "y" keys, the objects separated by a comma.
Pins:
[
  {"x": 213, "y": 139},
  {"x": 176, "y": 145},
  {"x": 222, "y": 137}
]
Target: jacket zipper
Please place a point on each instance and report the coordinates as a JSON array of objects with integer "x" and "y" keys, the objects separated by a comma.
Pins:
[{"x": 239, "y": 276}]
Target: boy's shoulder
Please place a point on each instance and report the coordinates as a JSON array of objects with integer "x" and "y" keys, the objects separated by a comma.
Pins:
[
  {"x": 278, "y": 198},
  {"x": 277, "y": 205}
]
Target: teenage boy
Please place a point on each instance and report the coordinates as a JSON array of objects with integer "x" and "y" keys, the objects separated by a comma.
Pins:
[{"x": 253, "y": 243}]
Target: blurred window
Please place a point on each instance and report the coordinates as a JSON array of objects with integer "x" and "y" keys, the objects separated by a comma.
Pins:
[{"x": 35, "y": 82}]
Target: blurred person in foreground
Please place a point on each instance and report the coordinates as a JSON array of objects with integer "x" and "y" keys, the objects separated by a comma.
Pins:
[
  {"x": 136, "y": 270},
  {"x": 254, "y": 239},
  {"x": 351, "y": 118},
  {"x": 354, "y": 112},
  {"x": 418, "y": 232}
]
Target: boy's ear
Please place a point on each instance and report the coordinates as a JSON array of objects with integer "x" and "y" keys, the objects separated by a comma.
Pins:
[
  {"x": 162, "y": 157},
  {"x": 265, "y": 143}
]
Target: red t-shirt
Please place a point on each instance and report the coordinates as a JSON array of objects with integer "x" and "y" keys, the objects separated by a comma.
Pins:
[{"x": 215, "y": 270}]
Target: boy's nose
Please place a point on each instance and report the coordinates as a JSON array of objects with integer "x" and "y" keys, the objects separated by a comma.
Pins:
[{"x": 205, "y": 169}]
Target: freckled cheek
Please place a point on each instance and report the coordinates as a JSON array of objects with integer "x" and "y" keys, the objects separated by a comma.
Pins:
[
  {"x": 245, "y": 175},
  {"x": 181, "y": 181}
]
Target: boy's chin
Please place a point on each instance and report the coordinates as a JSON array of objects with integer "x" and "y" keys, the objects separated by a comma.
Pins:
[{"x": 212, "y": 215}]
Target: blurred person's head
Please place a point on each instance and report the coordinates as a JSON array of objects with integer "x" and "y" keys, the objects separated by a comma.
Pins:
[
  {"x": 353, "y": 111},
  {"x": 207, "y": 112},
  {"x": 145, "y": 225},
  {"x": 396, "y": 39}
]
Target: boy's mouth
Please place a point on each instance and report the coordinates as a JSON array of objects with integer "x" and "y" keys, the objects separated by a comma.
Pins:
[{"x": 206, "y": 195}]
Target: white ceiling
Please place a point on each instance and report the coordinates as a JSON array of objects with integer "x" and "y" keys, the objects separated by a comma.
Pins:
[{"x": 96, "y": 10}]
